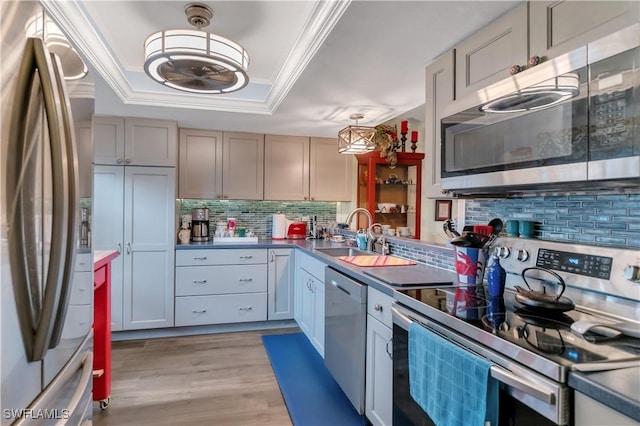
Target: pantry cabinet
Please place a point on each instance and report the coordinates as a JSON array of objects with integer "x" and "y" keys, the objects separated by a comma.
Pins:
[
  {"x": 134, "y": 141},
  {"x": 392, "y": 194},
  {"x": 220, "y": 286},
  {"x": 309, "y": 299},
  {"x": 280, "y": 281},
  {"x": 84, "y": 143},
  {"x": 439, "y": 88},
  {"x": 134, "y": 213},
  {"x": 557, "y": 27},
  {"x": 221, "y": 165},
  {"x": 306, "y": 169}
]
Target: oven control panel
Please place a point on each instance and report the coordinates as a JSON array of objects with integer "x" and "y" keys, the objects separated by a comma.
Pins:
[{"x": 576, "y": 263}]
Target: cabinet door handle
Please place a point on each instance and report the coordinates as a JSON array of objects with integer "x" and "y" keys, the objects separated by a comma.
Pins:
[
  {"x": 119, "y": 161},
  {"x": 305, "y": 198},
  {"x": 128, "y": 247},
  {"x": 246, "y": 280},
  {"x": 246, "y": 257},
  {"x": 248, "y": 308},
  {"x": 199, "y": 281},
  {"x": 377, "y": 307},
  {"x": 389, "y": 351},
  {"x": 273, "y": 257},
  {"x": 313, "y": 198},
  {"x": 127, "y": 161},
  {"x": 119, "y": 248},
  {"x": 225, "y": 196},
  {"x": 200, "y": 258},
  {"x": 199, "y": 311},
  {"x": 218, "y": 195}
]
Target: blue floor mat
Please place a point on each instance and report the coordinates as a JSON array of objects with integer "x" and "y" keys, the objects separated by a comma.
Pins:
[{"x": 312, "y": 396}]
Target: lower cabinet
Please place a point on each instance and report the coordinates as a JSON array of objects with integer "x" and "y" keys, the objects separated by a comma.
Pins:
[
  {"x": 589, "y": 412},
  {"x": 379, "y": 365},
  {"x": 309, "y": 299},
  {"x": 280, "y": 299},
  {"x": 218, "y": 286}
]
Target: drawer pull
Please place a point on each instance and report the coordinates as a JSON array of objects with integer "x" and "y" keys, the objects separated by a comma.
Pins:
[
  {"x": 377, "y": 307},
  {"x": 246, "y": 280},
  {"x": 200, "y": 258},
  {"x": 199, "y": 281},
  {"x": 199, "y": 311},
  {"x": 246, "y": 257},
  {"x": 248, "y": 308}
]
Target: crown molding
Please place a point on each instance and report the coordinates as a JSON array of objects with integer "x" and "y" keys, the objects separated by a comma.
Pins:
[{"x": 78, "y": 26}]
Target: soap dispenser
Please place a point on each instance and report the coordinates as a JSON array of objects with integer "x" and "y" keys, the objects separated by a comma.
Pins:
[{"x": 496, "y": 276}]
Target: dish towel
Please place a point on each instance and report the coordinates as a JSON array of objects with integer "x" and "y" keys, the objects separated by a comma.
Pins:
[{"x": 453, "y": 386}]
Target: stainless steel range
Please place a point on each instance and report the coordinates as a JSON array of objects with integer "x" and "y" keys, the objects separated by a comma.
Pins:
[{"x": 531, "y": 350}]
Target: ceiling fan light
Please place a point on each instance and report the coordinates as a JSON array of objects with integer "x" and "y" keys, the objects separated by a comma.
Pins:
[{"x": 196, "y": 61}]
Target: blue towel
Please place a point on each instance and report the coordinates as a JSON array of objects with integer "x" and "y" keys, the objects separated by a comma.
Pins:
[{"x": 453, "y": 386}]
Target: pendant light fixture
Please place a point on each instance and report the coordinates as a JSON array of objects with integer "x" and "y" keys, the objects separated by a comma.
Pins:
[
  {"x": 195, "y": 60},
  {"x": 356, "y": 139}
]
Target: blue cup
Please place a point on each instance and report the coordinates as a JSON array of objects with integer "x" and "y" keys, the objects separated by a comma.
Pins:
[
  {"x": 513, "y": 228},
  {"x": 526, "y": 228}
]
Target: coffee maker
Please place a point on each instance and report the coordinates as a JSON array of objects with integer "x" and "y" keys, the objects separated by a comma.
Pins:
[{"x": 200, "y": 224}]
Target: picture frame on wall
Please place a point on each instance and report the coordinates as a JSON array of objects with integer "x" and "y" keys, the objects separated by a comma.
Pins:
[{"x": 443, "y": 209}]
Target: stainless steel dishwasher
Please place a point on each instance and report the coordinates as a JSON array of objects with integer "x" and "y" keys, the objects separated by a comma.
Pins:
[{"x": 345, "y": 334}]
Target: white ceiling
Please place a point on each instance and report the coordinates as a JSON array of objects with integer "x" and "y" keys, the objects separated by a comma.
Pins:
[{"x": 312, "y": 63}]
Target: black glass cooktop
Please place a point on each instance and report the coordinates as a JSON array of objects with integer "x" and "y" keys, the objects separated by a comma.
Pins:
[{"x": 546, "y": 333}]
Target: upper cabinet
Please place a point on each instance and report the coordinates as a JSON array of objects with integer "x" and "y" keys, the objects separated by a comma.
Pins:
[
  {"x": 329, "y": 171},
  {"x": 439, "y": 88},
  {"x": 302, "y": 168},
  {"x": 557, "y": 27},
  {"x": 216, "y": 165},
  {"x": 134, "y": 141},
  {"x": 488, "y": 55},
  {"x": 286, "y": 171}
]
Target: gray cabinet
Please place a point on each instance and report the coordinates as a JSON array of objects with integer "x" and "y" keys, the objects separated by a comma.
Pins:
[
  {"x": 216, "y": 165},
  {"x": 487, "y": 56},
  {"x": 84, "y": 143},
  {"x": 134, "y": 213},
  {"x": 379, "y": 361},
  {"x": 589, "y": 412},
  {"x": 309, "y": 299},
  {"x": 134, "y": 141},
  {"x": 439, "y": 89},
  {"x": 286, "y": 171},
  {"x": 557, "y": 27},
  {"x": 220, "y": 286},
  {"x": 302, "y": 168},
  {"x": 281, "y": 277}
]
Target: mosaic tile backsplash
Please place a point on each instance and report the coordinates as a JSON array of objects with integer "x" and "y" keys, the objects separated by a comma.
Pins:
[
  {"x": 606, "y": 219},
  {"x": 257, "y": 215}
]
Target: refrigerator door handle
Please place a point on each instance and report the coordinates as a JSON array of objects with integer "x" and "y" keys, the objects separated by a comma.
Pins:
[
  {"x": 72, "y": 215},
  {"x": 36, "y": 323}
]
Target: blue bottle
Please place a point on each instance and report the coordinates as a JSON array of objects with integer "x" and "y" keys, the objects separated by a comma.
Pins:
[{"x": 496, "y": 276}]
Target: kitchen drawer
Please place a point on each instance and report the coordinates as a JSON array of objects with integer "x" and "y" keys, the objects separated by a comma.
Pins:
[
  {"x": 220, "y": 257},
  {"x": 201, "y": 280},
  {"x": 312, "y": 265},
  {"x": 221, "y": 309},
  {"x": 379, "y": 306},
  {"x": 81, "y": 288},
  {"x": 83, "y": 262}
]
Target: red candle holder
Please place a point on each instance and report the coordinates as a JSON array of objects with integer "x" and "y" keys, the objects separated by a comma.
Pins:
[{"x": 414, "y": 141}]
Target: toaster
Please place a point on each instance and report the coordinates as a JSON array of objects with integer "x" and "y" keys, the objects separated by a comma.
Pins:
[{"x": 297, "y": 231}]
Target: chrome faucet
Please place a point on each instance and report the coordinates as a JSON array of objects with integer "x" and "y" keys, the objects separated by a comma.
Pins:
[{"x": 350, "y": 216}]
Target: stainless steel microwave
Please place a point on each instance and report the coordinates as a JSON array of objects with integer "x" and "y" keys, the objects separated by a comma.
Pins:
[{"x": 572, "y": 122}]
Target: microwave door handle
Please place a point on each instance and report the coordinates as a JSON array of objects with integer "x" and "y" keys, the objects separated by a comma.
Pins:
[
  {"x": 60, "y": 205},
  {"x": 72, "y": 191}
]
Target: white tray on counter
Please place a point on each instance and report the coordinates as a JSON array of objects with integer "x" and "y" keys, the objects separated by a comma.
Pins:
[{"x": 235, "y": 240}]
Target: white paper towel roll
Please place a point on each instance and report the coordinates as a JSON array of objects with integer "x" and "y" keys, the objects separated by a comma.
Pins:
[{"x": 279, "y": 226}]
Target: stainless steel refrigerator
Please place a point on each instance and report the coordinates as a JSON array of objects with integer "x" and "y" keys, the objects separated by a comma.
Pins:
[{"x": 45, "y": 346}]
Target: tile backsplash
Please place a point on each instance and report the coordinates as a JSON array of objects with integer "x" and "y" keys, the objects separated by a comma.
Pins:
[
  {"x": 606, "y": 219},
  {"x": 257, "y": 215}
]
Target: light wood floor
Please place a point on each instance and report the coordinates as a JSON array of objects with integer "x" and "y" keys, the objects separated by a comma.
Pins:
[{"x": 218, "y": 379}]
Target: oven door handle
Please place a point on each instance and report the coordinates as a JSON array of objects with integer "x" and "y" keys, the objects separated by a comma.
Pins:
[
  {"x": 510, "y": 379},
  {"x": 501, "y": 374}
]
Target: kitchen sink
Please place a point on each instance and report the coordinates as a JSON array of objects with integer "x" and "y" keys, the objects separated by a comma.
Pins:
[{"x": 342, "y": 251}]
